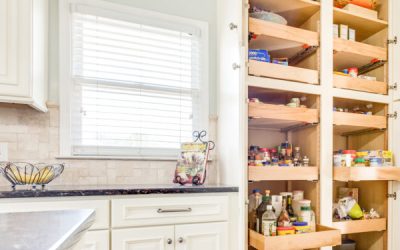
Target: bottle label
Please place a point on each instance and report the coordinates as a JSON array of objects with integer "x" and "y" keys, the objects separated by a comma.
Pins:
[{"x": 269, "y": 228}]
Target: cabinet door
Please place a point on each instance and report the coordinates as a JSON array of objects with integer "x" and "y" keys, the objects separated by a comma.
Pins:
[
  {"x": 14, "y": 45},
  {"x": 394, "y": 49},
  {"x": 94, "y": 240},
  {"x": 210, "y": 236},
  {"x": 148, "y": 238}
]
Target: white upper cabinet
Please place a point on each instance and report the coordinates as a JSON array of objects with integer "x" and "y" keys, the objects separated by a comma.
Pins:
[
  {"x": 23, "y": 52},
  {"x": 394, "y": 50}
]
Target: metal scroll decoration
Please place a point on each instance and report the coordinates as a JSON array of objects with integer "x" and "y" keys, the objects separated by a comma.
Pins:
[
  {"x": 23, "y": 173},
  {"x": 198, "y": 137}
]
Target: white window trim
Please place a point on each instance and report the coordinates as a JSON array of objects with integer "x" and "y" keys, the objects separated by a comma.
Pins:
[{"x": 65, "y": 83}]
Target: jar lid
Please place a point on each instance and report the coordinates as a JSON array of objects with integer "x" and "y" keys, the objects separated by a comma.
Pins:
[
  {"x": 285, "y": 228},
  {"x": 359, "y": 160},
  {"x": 256, "y": 190},
  {"x": 305, "y": 208},
  {"x": 300, "y": 223},
  {"x": 348, "y": 151},
  {"x": 264, "y": 149}
]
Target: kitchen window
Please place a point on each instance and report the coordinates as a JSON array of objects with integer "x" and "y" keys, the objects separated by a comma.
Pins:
[{"x": 133, "y": 82}]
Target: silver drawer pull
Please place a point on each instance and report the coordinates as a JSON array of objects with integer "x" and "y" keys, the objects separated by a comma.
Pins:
[{"x": 187, "y": 210}]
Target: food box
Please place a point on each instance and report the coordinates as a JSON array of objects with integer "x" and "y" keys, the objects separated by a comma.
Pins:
[
  {"x": 259, "y": 55},
  {"x": 343, "y": 31},
  {"x": 361, "y": 11},
  {"x": 335, "y": 31}
]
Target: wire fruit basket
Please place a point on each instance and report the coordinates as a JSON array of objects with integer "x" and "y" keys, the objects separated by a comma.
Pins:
[{"x": 23, "y": 173}]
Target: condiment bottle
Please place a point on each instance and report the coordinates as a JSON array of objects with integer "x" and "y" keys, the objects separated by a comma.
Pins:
[
  {"x": 289, "y": 209},
  {"x": 297, "y": 157},
  {"x": 260, "y": 211},
  {"x": 306, "y": 161},
  {"x": 254, "y": 201},
  {"x": 284, "y": 219},
  {"x": 269, "y": 222}
]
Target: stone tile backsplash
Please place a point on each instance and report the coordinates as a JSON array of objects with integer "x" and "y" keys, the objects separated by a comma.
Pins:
[{"x": 33, "y": 136}]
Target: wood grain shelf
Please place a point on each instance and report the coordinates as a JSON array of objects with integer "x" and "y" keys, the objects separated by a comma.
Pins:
[
  {"x": 345, "y": 123},
  {"x": 277, "y": 71},
  {"x": 284, "y": 32},
  {"x": 324, "y": 236},
  {"x": 355, "y": 54},
  {"x": 360, "y": 226},
  {"x": 365, "y": 26},
  {"x": 283, "y": 173},
  {"x": 366, "y": 174},
  {"x": 358, "y": 84},
  {"x": 280, "y": 116},
  {"x": 296, "y": 12}
]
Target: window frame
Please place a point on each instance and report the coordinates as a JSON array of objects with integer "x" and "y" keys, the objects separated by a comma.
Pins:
[{"x": 127, "y": 13}]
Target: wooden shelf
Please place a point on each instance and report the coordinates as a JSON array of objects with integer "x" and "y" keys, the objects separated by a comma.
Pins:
[
  {"x": 346, "y": 82},
  {"x": 277, "y": 71},
  {"x": 366, "y": 173},
  {"x": 365, "y": 26},
  {"x": 355, "y": 54},
  {"x": 284, "y": 32},
  {"x": 280, "y": 116},
  {"x": 360, "y": 226},
  {"x": 296, "y": 12},
  {"x": 324, "y": 236},
  {"x": 349, "y": 122},
  {"x": 283, "y": 173}
]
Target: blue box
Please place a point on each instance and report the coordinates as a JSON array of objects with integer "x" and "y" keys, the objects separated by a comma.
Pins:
[{"x": 259, "y": 55}]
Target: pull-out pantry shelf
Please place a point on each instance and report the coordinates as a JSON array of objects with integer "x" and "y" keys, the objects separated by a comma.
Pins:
[
  {"x": 280, "y": 116},
  {"x": 264, "y": 69},
  {"x": 282, "y": 173},
  {"x": 324, "y": 236},
  {"x": 358, "y": 84},
  {"x": 360, "y": 226},
  {"x": 347, "y": 123},
  {"x": 366, "y": 174}
]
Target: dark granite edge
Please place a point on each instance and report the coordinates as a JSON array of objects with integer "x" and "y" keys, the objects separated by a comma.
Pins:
[{"x": 113, "y": 192}]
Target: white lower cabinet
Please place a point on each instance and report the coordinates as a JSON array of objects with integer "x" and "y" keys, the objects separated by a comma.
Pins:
[
  {"x": 210, "y": 236},
  {"x": 148, "y": 238},
  {"x": 94, "y": 240}
]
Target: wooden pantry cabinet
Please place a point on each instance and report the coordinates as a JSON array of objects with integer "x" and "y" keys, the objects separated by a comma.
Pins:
[{"x": 252, "y": 111}]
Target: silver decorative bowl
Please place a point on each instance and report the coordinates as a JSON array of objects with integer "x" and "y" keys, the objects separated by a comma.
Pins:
[{"x": 23, "y": 173}]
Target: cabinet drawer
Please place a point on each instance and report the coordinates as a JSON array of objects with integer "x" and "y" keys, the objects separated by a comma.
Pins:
[
  {"x": 100, "y": 206},
  {"x": 168, "y": 210},
  {"x": 94, "y": 240}
]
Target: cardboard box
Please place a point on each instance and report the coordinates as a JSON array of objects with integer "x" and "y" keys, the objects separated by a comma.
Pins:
[
  {"x": 335, "y": 31},
  {"x": 343, "y": 31},
  {"x": 361, "y": 11},
  {"x": 347, "y": 192}
]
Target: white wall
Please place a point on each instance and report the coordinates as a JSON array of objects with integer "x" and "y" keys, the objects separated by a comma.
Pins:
[{"x": 203, "y": 10}]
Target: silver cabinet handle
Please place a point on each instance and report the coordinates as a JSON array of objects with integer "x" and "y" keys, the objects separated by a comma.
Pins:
[
  {"x": 180, "y": 240},
  {"x": 169, "y": 241},
  {"x": 184, "y": 210},
  {"x": 233, "y": 26},
  {"x": 235, "y": 66}
]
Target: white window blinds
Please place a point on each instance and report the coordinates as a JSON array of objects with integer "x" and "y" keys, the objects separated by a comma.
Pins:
[{"x": 136, "y": 86}]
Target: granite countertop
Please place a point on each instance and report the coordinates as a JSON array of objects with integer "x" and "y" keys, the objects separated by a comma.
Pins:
[
  {"x": 99, "y": 190},
  {"x": 51, "y": 230}
]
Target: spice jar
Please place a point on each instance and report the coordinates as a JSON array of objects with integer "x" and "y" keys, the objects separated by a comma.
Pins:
[{"x": 301, "y": 227}]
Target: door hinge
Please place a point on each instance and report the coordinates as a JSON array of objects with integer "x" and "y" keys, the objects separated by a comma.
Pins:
[
  {"x": 393, "y": 86},
  {"x": 394, "y": 195},
  {"x": 246, "y": 6},
  {"x": 394, "y": 115},
  {"x": 392, "y": 41}
]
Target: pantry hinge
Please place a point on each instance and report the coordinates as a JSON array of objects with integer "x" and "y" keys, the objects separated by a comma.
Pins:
[
  {"x": 394, "y": 195},
  {"x": 246, "y": 6},
  {"x": 393, "y": 86},
  {"x": 394, "y": 115},
  {"x": 392, "y": 41}
]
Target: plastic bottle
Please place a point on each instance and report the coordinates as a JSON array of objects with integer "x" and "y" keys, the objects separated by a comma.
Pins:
[
  {"x": 260, "y": 212},
  {"x": 254, "y": 202},
  {"x": 269, "y": 222}
]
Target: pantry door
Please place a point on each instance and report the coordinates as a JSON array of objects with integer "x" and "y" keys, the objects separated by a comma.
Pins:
[
  {"x": 394, "y": 48},
  {"x": 394, "y": 186}
]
